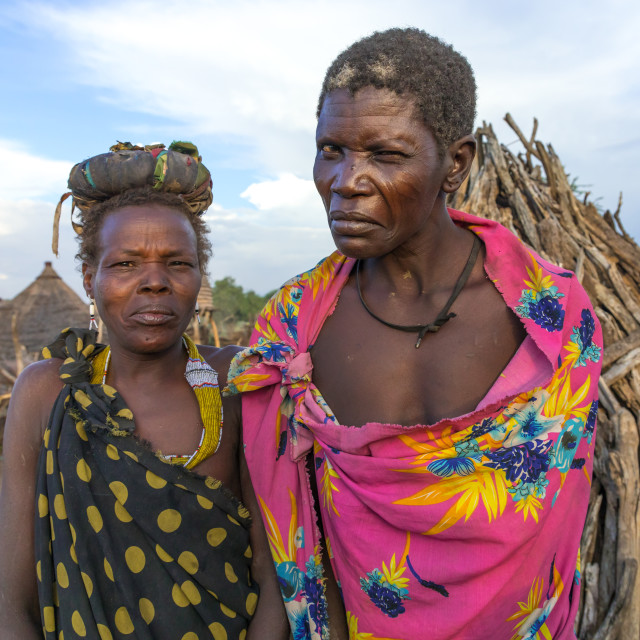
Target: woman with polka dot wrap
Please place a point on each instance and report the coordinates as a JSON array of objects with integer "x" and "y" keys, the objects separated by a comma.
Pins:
[{"x": 142, "y": 508}]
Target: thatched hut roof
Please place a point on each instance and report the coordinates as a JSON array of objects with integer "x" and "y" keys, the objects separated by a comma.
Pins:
[
  {"x": 7, "y": 351},
  {"x": 45, "y": 307},
  {"x": 205, "y": 296}
]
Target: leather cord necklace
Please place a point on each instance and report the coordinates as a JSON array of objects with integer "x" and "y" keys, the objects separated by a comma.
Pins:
[{"x": 444, "y": 315}]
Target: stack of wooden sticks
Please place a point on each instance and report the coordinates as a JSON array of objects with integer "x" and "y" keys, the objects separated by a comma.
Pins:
[{"x": 530, "y": 193}]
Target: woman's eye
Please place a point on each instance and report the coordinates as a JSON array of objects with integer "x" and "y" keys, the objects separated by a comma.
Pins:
[
  {"x": 329, "y": 149},
  {"x": 389, "y": 154}
]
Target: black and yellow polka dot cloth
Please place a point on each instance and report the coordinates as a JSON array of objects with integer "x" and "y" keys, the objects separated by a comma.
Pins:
[{"x": 128, "y": 546}]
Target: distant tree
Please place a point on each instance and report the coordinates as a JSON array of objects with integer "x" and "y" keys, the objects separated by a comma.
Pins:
[{"x": 236, "y": 309}]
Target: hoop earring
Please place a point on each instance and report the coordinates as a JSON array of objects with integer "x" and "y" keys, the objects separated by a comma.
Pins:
[
  {"x": 197, "y": 312},
  {"x": 92, "y": 316}
]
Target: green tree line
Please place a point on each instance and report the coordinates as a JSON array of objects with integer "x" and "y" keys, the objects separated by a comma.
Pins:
[{"x": 234, "y": 306}]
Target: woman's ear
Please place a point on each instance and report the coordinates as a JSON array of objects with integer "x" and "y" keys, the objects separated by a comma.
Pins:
[
  {"x": 462, "y": 152},
  {"x": 87, "y": 279}
]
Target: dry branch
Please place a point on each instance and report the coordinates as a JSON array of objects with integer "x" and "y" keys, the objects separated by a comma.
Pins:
[
  {"x": 620, "y": 348},
  {"x": 8, "y": 376}
]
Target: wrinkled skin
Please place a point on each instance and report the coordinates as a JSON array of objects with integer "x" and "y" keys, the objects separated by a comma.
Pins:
[
  {"x": 384, "y": 185},
  {"x": 379, "y": 173}
]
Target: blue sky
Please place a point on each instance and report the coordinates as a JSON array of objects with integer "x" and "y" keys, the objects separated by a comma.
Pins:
[{"x": 240, "y": 79}]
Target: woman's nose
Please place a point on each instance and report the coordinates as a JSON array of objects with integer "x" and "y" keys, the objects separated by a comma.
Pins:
[
  {"x": 350, "y": 178},
  {"x": 154, "y": 279}
]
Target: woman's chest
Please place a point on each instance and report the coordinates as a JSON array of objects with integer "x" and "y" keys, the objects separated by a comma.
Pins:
[
  {"x": 368, "y": 372},
  {"x": 171, "y": 423}
]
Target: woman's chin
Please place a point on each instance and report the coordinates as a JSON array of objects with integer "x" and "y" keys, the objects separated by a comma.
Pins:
[
  {"x": 147, "y": 339},
  {"x": 357, "y": 247}
]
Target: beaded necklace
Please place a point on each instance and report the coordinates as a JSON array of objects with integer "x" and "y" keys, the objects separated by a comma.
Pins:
[{"x": 204, "y": 382}]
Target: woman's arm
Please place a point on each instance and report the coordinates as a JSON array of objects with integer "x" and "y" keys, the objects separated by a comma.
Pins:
[{"x": 31, "y": 402}]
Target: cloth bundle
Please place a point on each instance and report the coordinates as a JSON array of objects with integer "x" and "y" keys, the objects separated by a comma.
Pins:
[{"x": 178, "y": 170}]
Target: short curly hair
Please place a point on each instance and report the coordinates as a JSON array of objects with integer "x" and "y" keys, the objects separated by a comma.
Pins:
[
  {"x": 93, "y": 218},
  {"x": 413, "y": 63}
]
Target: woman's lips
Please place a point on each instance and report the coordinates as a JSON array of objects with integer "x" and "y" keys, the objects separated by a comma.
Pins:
[
  {"x": 347, "y": 225},
  {"x": 152, "y": 316}
]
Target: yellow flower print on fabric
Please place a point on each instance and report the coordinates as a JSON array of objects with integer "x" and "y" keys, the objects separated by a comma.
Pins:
[
  {"x": 540, "y": 301},
  {"x": 451, "y": 457},
  {"x": 329, "y": 474},
  {"x": 354, "y": 634},
  {"x": 538, "y": 282},
  {"x": 318, "y": 278},
  {"x": 388, "y": 589},
  {"x": 276, "y": 541},
  {"x": 302, "y": 591},
  {"x": 488, "y": 485},
  {"x": 533, "y": 613}
]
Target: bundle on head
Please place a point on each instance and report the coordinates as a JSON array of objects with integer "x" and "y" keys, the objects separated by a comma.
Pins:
[{"x": 177, "y": 170}]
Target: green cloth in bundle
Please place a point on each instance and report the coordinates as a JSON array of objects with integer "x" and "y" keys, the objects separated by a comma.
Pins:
[{"x": 128, "y": 546}]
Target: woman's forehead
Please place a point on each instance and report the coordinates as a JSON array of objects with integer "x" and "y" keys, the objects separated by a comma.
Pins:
[
  {"x": 145, "y": 223},
  {"x": 370, "y": 115},
  {"x": 368, "y": 101}
]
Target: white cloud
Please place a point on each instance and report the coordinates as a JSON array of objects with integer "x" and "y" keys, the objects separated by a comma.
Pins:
[
  {"x": 228, "y": 72},
  {"x": 250, "y": 72},
  {"x": 25, "y": 175},
  {"x": 27, "y": 183},
  {"x": 20, "y": 215},
  {"x": 262, "y": 256},
  {"x": 26, "y": 217},
  {"x": 26, "y": 245},
  {"x": 286, "y": 191},
  {"x": 247, "y": 70}
]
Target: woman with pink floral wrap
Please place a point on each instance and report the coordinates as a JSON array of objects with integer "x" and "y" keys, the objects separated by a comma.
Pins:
[{"x": 419, "y": 409}]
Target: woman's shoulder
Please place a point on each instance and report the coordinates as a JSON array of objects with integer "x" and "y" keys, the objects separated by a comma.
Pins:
[
  {"x": 42, "y": 377},
  {"x": 40, "y": 380},
  {"x": 34, "y": 395}
]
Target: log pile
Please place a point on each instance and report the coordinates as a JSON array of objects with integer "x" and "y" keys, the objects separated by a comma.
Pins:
[{"x": 530, "y": 193}]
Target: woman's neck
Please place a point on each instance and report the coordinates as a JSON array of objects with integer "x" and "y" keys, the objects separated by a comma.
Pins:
[
  {"x": 422, "y": 265},
  {"x": 128, "y": 368}
]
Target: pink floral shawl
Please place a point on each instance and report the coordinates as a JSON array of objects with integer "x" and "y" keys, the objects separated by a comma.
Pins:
[{"x": 468, "y": 528}]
